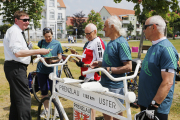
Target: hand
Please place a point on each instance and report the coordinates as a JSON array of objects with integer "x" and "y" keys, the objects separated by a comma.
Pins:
[
  {"x": 94, "y": 64},
  {"x": 151, "y": 111},
  {"x": 80, "y": 64},
  {"x": 30, "y": 45},
  {"x": 43, "y": 51}
]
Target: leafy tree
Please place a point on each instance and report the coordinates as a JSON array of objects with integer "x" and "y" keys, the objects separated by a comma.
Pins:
[
  {"x": 77, "y": 22},
  {"x": 3, "y": 28},
  {"x": 160, "y": 6},
  {"x": 130, "y": 27},
  {"x": 95, "y": 18},
  {"x": 32, "y": 7},
  {"x": 69, "y": 29}
]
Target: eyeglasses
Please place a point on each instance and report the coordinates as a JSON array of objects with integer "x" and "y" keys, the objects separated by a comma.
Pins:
[
  {"x": 25, "y": 20},
  {"x": 145, "y": 26},
  {"x": 89, "y": 33},
  {"x": 46, "y": 29}
]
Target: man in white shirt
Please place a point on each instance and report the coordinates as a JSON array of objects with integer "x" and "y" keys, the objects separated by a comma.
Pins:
[{"x": 17, "y": 58}]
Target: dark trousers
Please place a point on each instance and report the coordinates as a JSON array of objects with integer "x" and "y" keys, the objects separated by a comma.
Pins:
[
  {"x": 16, "y": 75},
  {"x": 159, "y": 115}
]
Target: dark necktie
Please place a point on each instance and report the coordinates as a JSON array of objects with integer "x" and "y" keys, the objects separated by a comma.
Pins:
[{"x": 24, "y": 38}]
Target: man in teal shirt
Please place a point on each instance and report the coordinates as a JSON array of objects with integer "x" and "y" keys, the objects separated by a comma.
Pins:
[
  {"x": 157, "y": 77},
  {"x": 116, "y": 58}
]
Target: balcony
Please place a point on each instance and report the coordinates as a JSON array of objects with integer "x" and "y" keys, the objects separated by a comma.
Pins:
[
  {"x": 125, "y": 29},
  {"x": 126, "y": 22},
  {"x": 139, "y": 29},
  {"x": 60, "y": 20}
]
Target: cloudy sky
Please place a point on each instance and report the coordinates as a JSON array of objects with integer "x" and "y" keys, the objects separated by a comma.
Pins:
[{"x": 75, "y": 6}]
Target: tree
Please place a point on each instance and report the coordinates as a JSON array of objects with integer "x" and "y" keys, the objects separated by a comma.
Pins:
[
  {"x": 130, "y": 27},
  {"x": 95, "y": 18},
  {"x": 32, "y": 7},
  {"x": 160, "y": 6},
  {"x": 77, "y": 22},
  {"x": 69, "y": 29},
  {"x": 3, "y": 28}
]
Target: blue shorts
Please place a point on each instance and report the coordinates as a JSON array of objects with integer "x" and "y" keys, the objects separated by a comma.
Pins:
[
  {"x": 44, "y": 83},
  {"x": 119, "y": 91}
]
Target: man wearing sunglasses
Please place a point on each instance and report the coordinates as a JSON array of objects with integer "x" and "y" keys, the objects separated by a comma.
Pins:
[
  {"x": 17, "y": 58},
  {"x": 157, "y": 78}
]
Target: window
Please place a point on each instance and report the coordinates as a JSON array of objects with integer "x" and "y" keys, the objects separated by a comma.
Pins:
[
  {"x": 52, "y": 27},
  {"x": 51, "y": 3},
  {"x": 51, "y": 14},
  {"x": 104, "y": 18},
  {"x": 59, "y": 16},
  {"x": 59, "y": 27}
]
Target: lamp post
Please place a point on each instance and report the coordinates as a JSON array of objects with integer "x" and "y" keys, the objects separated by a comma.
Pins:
[{"x": 76, "y": 32}]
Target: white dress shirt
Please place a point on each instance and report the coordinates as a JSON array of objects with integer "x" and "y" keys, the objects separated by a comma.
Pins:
[{"x": 13, "y": 43}]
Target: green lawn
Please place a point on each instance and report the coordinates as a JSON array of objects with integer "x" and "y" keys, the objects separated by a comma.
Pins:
[{"x": 4, "y": 87}]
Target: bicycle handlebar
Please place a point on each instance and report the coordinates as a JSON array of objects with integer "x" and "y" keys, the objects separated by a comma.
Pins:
[
  {"x": 111, "y": 77},
  {"x": 57, "y": 64}
]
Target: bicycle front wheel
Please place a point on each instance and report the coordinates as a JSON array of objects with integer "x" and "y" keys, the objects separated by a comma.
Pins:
[{"x": 55, "y": 112}]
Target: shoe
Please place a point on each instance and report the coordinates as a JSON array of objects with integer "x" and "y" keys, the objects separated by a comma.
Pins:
[{"x": 44, "y": 114}]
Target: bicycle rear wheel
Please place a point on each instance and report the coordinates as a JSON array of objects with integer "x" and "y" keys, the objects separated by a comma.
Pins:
[
  {"x": 36, "y": 89},
  {"x": 55, "y": 112}
]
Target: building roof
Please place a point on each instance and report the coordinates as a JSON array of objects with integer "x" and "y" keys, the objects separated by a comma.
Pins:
[
  {"x": 69, "y": 20},
  {"x": 61, "y": 3},
  {"x": 118, "y": 11}
]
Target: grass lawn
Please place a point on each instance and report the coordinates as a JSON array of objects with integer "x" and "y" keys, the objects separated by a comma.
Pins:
[{"x": 5, "y": 99}]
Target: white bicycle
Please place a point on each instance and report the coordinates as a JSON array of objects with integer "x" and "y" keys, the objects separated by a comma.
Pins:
[{"x": 89, "y": 94}]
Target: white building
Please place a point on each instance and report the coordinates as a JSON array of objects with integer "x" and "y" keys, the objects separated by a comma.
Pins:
[
  {"x": 125, "y": 16},
  {"x": 54, "y": 13}
]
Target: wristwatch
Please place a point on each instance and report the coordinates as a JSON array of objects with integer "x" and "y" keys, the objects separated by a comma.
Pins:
[
  {"x": 110, "y": 72},
  {"x": 155, "y": 103}
]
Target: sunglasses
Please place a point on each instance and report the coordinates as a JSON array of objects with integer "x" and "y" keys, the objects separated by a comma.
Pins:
[
  {"x": 46, "y": 29},
  {"x": 145, "y": 26},
  {"x": 25, "y": 20},
  {"x": 89, "y": 33}
]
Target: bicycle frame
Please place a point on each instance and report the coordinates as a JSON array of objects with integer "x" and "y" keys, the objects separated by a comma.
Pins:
[{"x": 72, "y": 90}]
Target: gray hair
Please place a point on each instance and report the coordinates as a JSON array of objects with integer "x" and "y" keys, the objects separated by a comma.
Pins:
[
  {"x": 114, "y": 20},
  {"x": 93, "y": 27},
  {"x": 156, "y": 19}
]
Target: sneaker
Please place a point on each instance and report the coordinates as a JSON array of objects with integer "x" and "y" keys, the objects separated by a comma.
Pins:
[{"x": 44, "y": 114}]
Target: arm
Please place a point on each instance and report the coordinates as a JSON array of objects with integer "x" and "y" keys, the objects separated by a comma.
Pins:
[
  {"x": 165, "y": 86},
  {"x": 96, "y": 64},
  {"x": 25, "y": 53},
  {"x": 122, "y": 69}
]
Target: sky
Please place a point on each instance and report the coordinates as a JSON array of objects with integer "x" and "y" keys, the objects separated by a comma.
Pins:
[{"x": 76, "y": 6}]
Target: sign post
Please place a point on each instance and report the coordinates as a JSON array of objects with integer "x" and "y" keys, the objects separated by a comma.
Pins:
[{"x": 76, "y": 34}]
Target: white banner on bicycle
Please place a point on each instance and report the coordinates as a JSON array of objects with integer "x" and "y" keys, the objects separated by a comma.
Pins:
[{"x": 97, "y": 100}]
